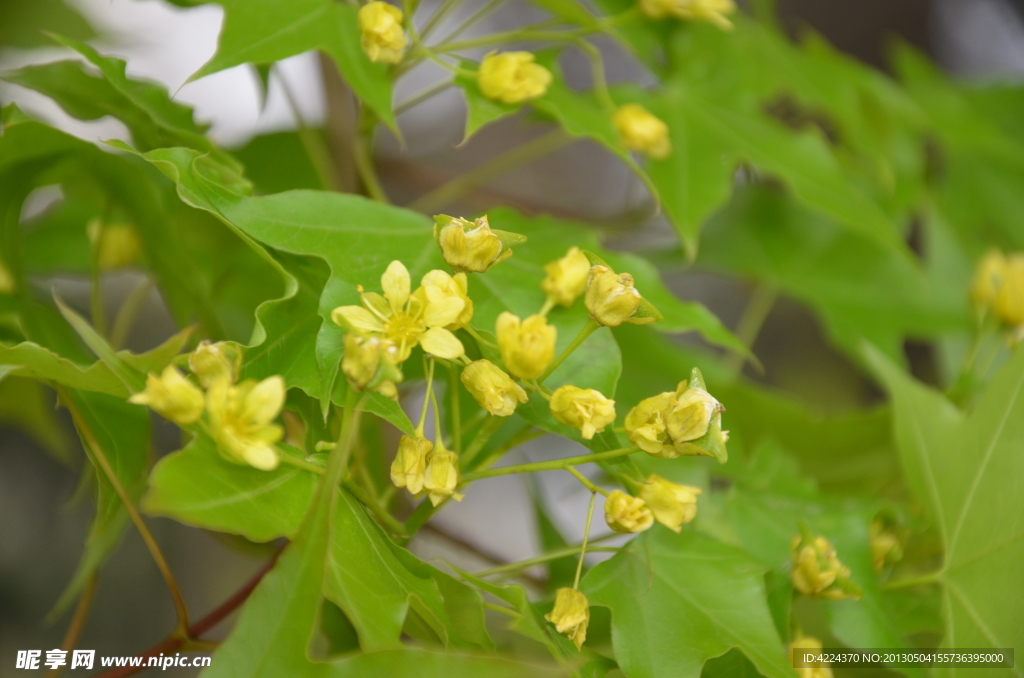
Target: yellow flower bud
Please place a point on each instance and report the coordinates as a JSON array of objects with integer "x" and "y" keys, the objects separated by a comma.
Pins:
[
  {"x": 7, "y": 284},
  {"x": 570, "y": 615},
  {"x": 369, "y": 362},
  {"x": 666, "y": 424},
  {"x": 438, "y": 287},
  {"x": 492, "y": 388},
  {"x": 817, "y": 571},
  {"x": 383, "y": 37},
  {"x": 117, "y": 245},
  {"x": 612, "y": 300},
  {"x": 624, "y": 513},
  {"x": 210, "y": 362},
  {"x": 812, "y": 646},
  {"x": 527, "y": 346},
  {"x": 567, "y": 277},
  {"x": 409, "y": 468},
  {"x": 672, "y": 505},
  {"x": 582, "y": 408},
  {"x": 886, "y": 545},
  {"x": 241, "y": 420},
  {"x": 442, "y": 476},
  {"x": 640, "y": 130},
  {"x": 512, "y": 77},
  {"x": 998, "y": 288},
  {"x": 172, "y": 396},
  {"x": 713, "y": 11},
  {"x": 1009, "y": 305},
  {"x": 473, "y": 246}
]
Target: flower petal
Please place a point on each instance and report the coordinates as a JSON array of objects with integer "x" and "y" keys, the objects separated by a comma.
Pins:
[
  {"x": 357, "y": 318},
  {"x": 396, "y": 284},
  {"x": 443, "y": 311},
  {"x": 441, "y": 343}
]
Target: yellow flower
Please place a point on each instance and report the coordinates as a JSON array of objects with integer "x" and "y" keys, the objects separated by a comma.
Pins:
[
  {"x": 404, "y": 319},
  {"x": 640, "y": 130},
  {"x": 492, "y": 388},
  {"x": 988, "y": 279},
  {"x": 512, "y": 77},
  {"x": 172, "y": 396},
  {"x": 527, "y": 346},
  {"x": 665, "y": 425},
  {"x": 116, "y": 245},
  {"x": 210, "y": 362},
  {"x": 672, "y": 505},
  {"x": 567, "y": 277},
  {"x": 442, "y": 476},
  {"x": 240, "y": 420},
  {"x": 570, "y": 615},
  {"x": 612, "y": 300},
  {"x": 409, "y": 468},
  {"x": 813, "y": 646},
  {"x": 439, "y": 286},
  {"x": 369, "y": 363},
  {"x": 624, "y": 513},
  {"x": 473, "y": 246},
  {"x": 817, "y": 571},
  {"x": 714, "y": 11},
  {"x": 383, "y": 37},
  {"x": 582, "y": 408}
]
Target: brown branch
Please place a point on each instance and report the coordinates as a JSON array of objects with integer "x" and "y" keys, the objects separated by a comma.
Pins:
[
  {"x": 173, "y": 643},
  {"x": 77, "y": 621}
]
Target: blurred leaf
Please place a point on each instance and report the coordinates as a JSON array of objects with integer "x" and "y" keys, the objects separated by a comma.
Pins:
[
  {"x": 264, "y": 31},
  {"x": 679, "y": 600},
  {"x": 23, "y": 25},
  {"x": 197, "y": 486},
  {"x": 376, "y": 583},
  {"x": 861, "y": 289},
  {"x": 967, "y": 471},
  {"x": 570, "y": 10},
  {"x": 27, "y": 405},
  {"x": 277, "y": 162},
  {"x": 122, "y": 432}
]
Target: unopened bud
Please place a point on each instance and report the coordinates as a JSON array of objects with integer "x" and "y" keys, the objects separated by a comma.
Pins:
[
  {"x": 492, "y": 388},
  {"x": 640, "y": 130},
  {"x": 570, "y": 615},
  {"x": 512, "y": 77},
  {"x": 582, "y": 408},
  {"x": 817, "y": 571},
  {"x": 442, "y": 476},
  {"x": 472, "y": 246},
  {"x": 624, "y": 513},
  {"x": 612, "y": 299},
  {"x": 409, "y": 468},
  {"x": 172, "y": 396},
  {"x": 527, "y": 346},
  {"x": 383, "y": 38},
  {"x": 210, "y": 362},
  {"x": 672, "y": 505},
  {"x": 567, "y": 277}
]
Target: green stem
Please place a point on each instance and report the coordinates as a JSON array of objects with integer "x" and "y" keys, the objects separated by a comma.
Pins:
[
  {"x": 585, "y": 332},
  {"x": 554, "y": 465},
  {"x": 129, "y": 311},
  {"x": 594, "y": 489},
  {"x": 292, "y": 460},
  {"x": 376, "y": 509},
  {"x": 549, "y": 304},
  {"x": 363, "y": 156},
  {"x": 597, "y": 74},
  {"x": 930, "y": 578},
  {"x": 546, "y": 558},
  {"x": 473, "y": 18},
  {"x": 525, "y": 435},
  {"x": 476, "y": 335},
  {"x": 423, "y": 95},
  {"x": 99, "y": 316},
  {"x": 456, "y": 413},
  {"x": 494, "y": 168},
  {"x": 751, "y": 322},
  {"x": 312, "y": 140},
  {"x": 487, "y": 429},
  {"x": 435, "y": 20},
  {"x": 523, "y": 33},
  {"x": 429, "y": 371},
  {"x": 586, "y": 535}
]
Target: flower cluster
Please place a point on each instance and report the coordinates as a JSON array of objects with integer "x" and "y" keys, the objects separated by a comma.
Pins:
[
  {"x": 240, "y": 416},
  {"x": 687, "y": 422},
  {"x": 817, "y": 571}
]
